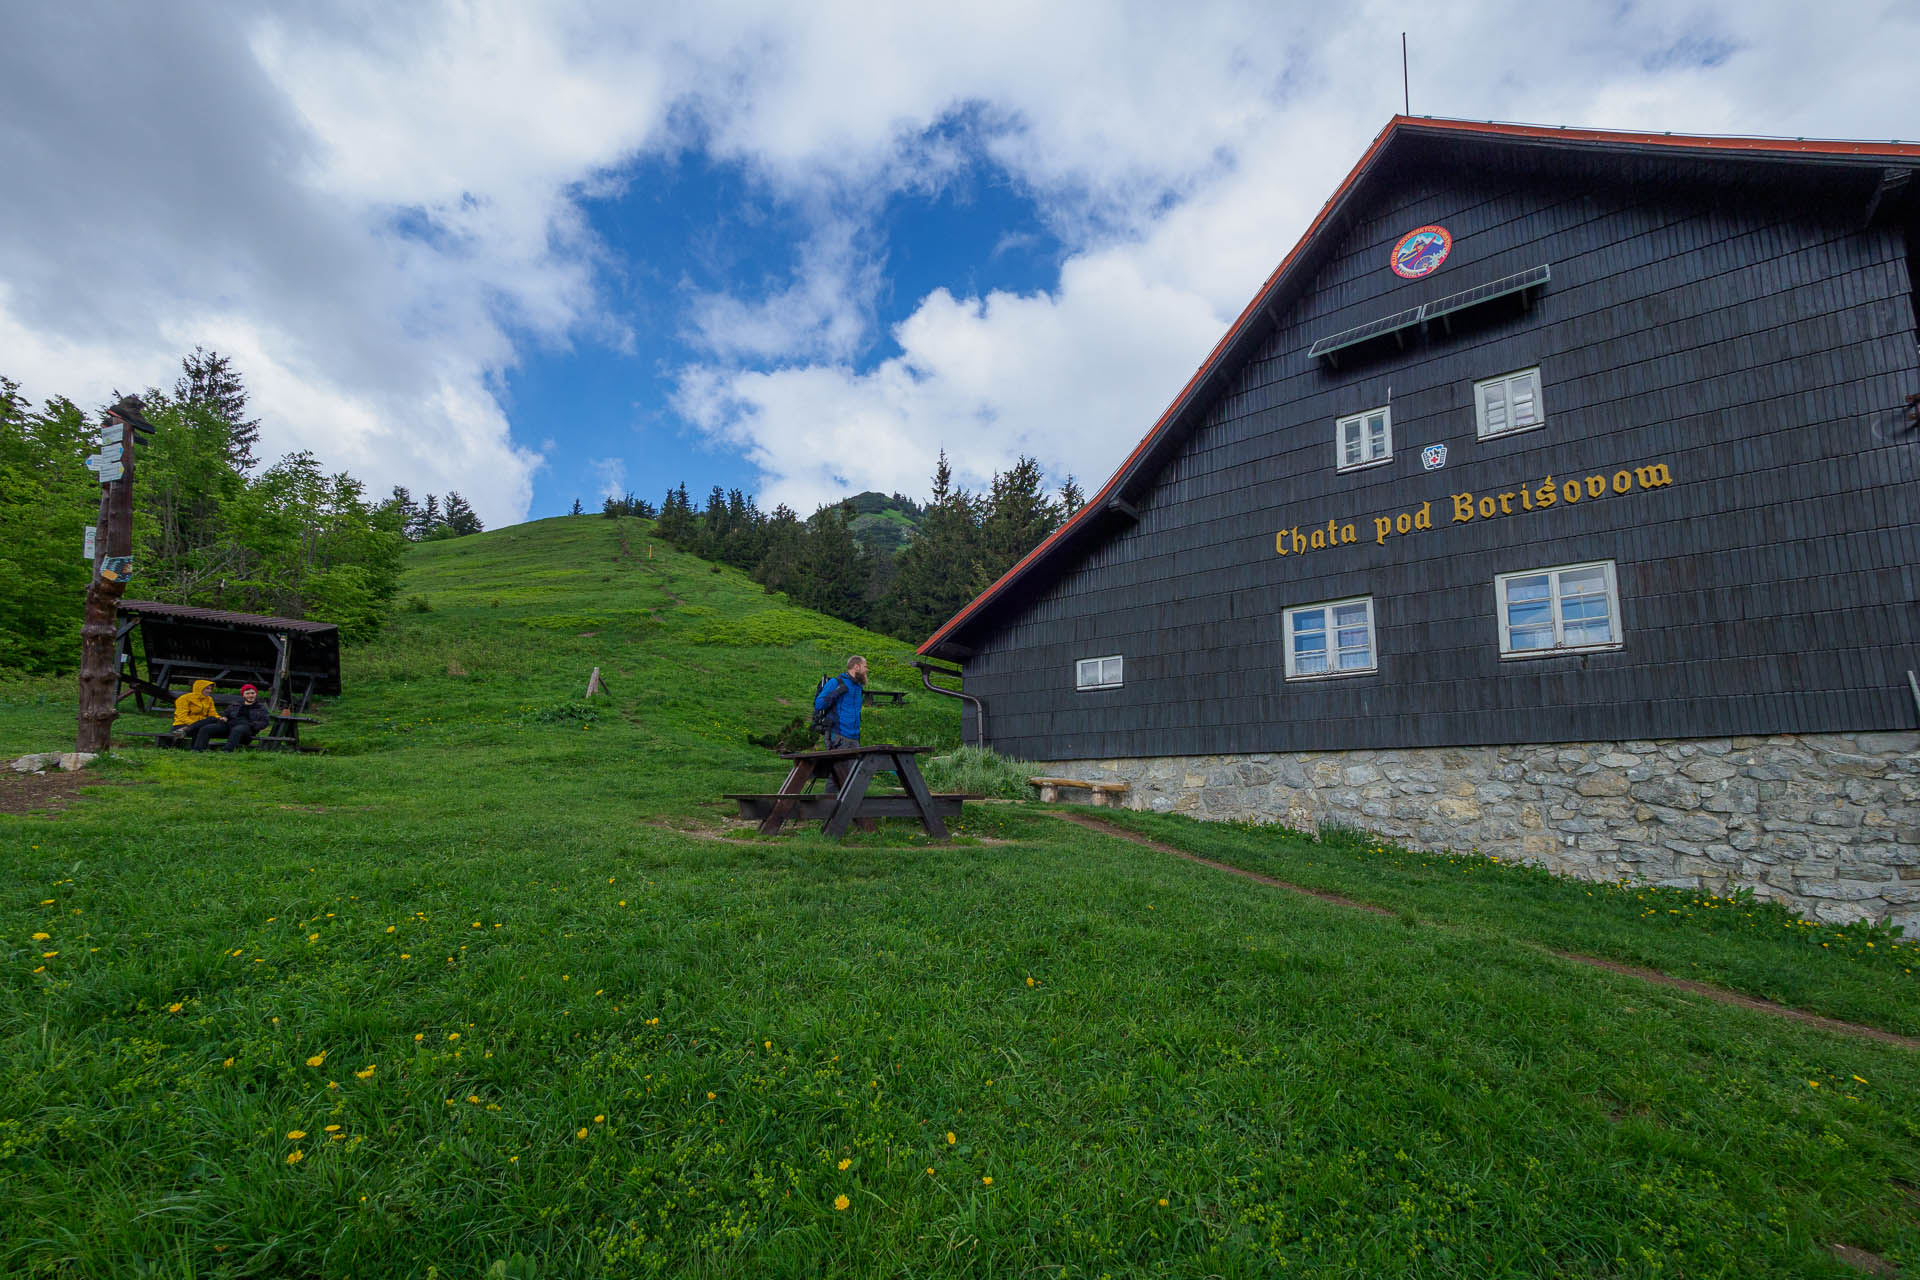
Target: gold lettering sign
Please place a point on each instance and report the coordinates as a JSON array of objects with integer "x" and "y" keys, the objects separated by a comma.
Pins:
[{"x": 1479, "y": 506}]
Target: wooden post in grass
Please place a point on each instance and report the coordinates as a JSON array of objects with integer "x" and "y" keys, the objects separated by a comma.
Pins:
[
  {"x": 112, "y": 566},
  {"x": 595, "y": 684}
]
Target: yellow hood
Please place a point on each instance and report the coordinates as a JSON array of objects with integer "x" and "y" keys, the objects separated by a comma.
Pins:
[{"x": 197, "y": 705}]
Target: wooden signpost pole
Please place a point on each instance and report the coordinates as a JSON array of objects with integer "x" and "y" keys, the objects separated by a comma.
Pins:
[{"x": 112, "y": 565}]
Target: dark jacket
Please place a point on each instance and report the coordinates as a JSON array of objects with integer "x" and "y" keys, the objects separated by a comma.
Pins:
[
  {"x": 844, "y": 719},
  {"x": 256, "y": 715}
]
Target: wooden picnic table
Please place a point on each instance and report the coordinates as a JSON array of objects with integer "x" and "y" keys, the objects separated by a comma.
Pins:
[{"x": 841, "y": 806}]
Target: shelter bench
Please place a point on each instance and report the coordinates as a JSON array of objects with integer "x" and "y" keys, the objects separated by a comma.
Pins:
[
  {"x": 1108, "y": 794},
  {"x": 282, "y": 734},
  {"x": 892, "y": 697}
]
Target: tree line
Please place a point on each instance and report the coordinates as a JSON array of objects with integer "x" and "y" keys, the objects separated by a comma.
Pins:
[
  {"x": 964, "y": 542},
  {"x": 211, "y": 527}
]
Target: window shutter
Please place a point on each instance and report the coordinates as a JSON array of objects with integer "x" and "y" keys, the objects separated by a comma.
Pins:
[
  {"x": 1525, "y": 394},
  {"x": 1493, "y": 407}
]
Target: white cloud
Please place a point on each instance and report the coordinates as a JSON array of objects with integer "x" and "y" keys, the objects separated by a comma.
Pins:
[
  {"x": 376, "y": 210},
  {"x": 610, "y": 475}
]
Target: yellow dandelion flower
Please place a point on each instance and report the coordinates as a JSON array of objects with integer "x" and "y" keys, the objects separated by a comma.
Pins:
[
  {"x": 406, "y": 955},
  {"x": 840, "y": 1203},
  {"x": 294, "y": 1135},
  {"x": 418, "y": 1036},
  {"x": 1029, "y": 980},
  {"x": 48, "y": 955},
  {"x": 296, "y": 1156},
  {"x": 929, "y": 1171},
  {"x": 1163, "y": 1202},
  {"x": 846, "y": 1165},
  {"x": 950, "y": 1138},
  {"x": 1813, "y": 1084},
  {"x": 333, "y": 1128},
  {"x": 599, "y": 1119},
  {"x": 364, "y": 1075},
  {"x": 333, "y": 1084},
  {"x": 175, "y": 1007},
  {"x": 582, "y": 1132},
  {"x": 313, "y": 937},
  {"x": 474, "y": 1098},
  {"x": 317, "y": 1058},
  {"x": 986, "y": 1182},
  {"x": 453, "y": 1035},
  {"x": 41, "y": 937},
  {"x": 710, "y": 1095},
  {"x": 227, "y": 1063},
  {"x": 389, "y": 928},
  {"x": 1861, "y": 1079},
  {"x": 767, "y": 1043},
  {"x": 45, "y": 902}
]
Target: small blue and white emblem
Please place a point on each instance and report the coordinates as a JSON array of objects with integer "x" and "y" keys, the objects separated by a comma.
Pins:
[{"x": 1433, "y": 457}]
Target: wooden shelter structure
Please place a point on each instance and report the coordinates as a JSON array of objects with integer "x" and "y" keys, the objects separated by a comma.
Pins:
[{"x": 292, "y": 660}]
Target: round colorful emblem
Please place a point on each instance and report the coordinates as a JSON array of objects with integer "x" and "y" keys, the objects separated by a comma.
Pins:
[{"x": 1420, "y": 252}]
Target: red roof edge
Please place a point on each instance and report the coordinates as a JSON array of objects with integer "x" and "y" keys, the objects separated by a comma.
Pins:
[{"x": 1781, "y": 146}]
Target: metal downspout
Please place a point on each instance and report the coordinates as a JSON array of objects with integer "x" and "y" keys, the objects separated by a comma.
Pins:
[{"x": 928, "y": 671}]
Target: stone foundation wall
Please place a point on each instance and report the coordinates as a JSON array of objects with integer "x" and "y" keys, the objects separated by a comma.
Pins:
[{"x": 1828, "y": 824}]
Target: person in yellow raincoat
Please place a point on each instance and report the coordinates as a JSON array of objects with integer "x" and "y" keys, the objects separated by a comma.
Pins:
[{"x": 190, "y": 710}]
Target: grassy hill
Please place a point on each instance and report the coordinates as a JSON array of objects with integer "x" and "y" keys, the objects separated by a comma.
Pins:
[{"x": 496, "y": 977}]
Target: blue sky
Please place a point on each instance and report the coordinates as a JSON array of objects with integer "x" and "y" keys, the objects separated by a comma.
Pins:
[
  {"x": 684, "y": 225},
  {"x": 535, "y": 252}
]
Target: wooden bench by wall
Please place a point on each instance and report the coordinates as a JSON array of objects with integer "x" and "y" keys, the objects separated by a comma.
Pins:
[{"x": 1109, "y": 794}]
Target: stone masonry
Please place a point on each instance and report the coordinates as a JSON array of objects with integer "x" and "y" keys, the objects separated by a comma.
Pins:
[{"x": 1827, "y": 824}]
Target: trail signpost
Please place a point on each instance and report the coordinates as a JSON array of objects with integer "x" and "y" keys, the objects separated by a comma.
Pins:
[{"x": 111, "y": 551}]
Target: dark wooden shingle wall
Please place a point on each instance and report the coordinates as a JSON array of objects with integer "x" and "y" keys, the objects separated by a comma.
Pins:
[{"x": 1755, "y": 339}]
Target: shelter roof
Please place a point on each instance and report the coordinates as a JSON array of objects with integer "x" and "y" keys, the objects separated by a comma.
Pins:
[
  {"x": 252, "y": 621},
  {"x": 1628, "y": 155}
]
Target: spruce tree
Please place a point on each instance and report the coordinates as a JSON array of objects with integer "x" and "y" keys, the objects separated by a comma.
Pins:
[
  {"x": 834, "y": 571},
  {"x": 461, "y": 517},
  {"x": 208, "y": 378},
  {"x": 1018, "y": 516},
  {"x": 934, "y": 574}
]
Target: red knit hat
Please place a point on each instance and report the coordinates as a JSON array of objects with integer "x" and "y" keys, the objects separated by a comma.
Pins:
[{"x": 247, "y": 688}]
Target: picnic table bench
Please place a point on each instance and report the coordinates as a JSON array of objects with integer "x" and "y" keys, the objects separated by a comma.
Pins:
[
  {"x": 892, "y": 697},
  {"x": 840, "y": 807}
]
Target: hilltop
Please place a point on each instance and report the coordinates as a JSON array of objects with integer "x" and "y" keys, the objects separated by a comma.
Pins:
[{"x": 497, "y": 987}]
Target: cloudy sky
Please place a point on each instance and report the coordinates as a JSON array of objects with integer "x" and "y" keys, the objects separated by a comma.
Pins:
[{"x": 540, "y": 252}]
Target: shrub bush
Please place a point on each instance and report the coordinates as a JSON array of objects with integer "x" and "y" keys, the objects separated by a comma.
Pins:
[{"x": 978, "y": 771}]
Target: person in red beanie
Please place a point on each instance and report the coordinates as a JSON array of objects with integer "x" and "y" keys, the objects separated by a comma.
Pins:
[{"x": 242, "y": 722}]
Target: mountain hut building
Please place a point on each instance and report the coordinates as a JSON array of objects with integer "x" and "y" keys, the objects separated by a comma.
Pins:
[{"x": 1554, "y": 498}]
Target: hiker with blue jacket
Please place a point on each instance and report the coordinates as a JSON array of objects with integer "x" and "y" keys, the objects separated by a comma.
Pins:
[{"x": 839, "y": 702}]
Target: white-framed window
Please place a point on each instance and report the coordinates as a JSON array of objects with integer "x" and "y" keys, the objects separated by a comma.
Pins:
[
  {"x": 1097, "y": 673},
  {"x": 1331, "y": 639},
  {"x": 1363, "y": 440},
  {"x": 1508, "y": 403},
  {"x": 1573, "y": 608}
]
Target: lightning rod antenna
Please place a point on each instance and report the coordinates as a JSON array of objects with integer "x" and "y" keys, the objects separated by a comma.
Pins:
[{"x": 1406, "y": 98}]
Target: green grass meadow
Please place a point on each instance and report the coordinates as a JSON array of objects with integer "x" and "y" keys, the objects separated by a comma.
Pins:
[{"x": 497, "y": 987}]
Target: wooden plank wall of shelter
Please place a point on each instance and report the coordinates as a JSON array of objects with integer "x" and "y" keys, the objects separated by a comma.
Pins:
[
  {"x": 294, "y": 659},
  {"x": 1755, "y": 333}
]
